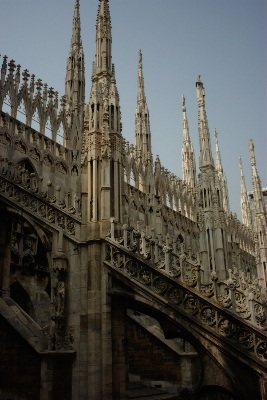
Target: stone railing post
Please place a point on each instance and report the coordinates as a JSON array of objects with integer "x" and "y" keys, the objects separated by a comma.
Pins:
[
  {"x": 231, "y": 287},
  {"x": 174, "y": 245},
  {"x": 125, "y": 235},
  {"x": 182, "y": 258},
  {"x": 167, "y": 251},
  {"x": 214, "y": 280},
  {"x": 112, "y": 229},
  {"x": 152, "y": 250},
  {"x": 251, "y": 306},
  {"x": 143, "y": 244},
  {"x": 131, "y": 239},
  {"x": 137, "y": 236},
  {"x": 156, "y": 251},
  {"x": 198, "y": 279}
]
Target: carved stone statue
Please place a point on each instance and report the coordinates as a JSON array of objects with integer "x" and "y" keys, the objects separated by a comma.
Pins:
[{"x": 59, "y": 298}]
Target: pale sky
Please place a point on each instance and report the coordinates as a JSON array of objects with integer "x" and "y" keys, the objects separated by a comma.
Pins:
[{"x": 224, "y": 41}]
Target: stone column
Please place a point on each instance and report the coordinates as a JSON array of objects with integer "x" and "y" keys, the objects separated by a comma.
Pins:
[
  {"x": 120, "y": 368},
  {"x": 204, "y": 259},
  {"x": 219, "y": 255},
  {"x": 46, "y": 379},
  {"x": 5, "y": 256},
  {"x": 94, "y": 383}
]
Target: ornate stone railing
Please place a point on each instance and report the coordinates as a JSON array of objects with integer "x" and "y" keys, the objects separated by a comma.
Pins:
[
  {"x": 186, "y": 300},
  {"x": 240, "y": 293},
  {"x": 39, "y": 207}
]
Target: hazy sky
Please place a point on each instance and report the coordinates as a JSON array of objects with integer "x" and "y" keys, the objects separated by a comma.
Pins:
[{"x": 222, "y": 40}]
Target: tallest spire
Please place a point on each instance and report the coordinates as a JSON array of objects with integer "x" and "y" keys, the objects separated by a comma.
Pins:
[
  {"x": 75, "y": 80},
  {"x": 75, "y": 77},
  {"x": 103, "y": 56}
]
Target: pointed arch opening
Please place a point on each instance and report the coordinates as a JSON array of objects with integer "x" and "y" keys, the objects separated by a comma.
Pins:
[
  {"x": 61, "y": 139},
  {"x": 6, "y": 107},
  {"x": 35, "y": 123}
]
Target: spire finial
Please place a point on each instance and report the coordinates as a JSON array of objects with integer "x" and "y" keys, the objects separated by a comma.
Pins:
[
  {"x": 241, "y": 166},
  {"x": 185, "y": 122},
  {"x": 183, "y": 102},
  {"x": 252, "y": 153},
  {"x": 140, "y": 56}
]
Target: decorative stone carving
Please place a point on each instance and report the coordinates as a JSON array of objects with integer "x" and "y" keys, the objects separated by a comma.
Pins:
[
  {"x": 208, "y": 315},
  {"x": 175, "y": 295},
  {"x": 62, "y": 336},
  {"x": 59, "y": 298},
  {"x": 160, "y": 285},
  {"x": 144, "y": 276}
]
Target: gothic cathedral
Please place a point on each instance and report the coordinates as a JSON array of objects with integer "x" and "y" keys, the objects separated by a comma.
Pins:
[{"x": 119, "y": 280}]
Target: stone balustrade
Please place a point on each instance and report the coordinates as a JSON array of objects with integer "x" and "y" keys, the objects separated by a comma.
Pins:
[{"x": 240, "y": 293}]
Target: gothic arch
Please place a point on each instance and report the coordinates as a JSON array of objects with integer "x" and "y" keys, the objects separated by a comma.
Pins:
[
  {"x": 21, "y": 146},
  {"x": 48, "y": 159},
  {"x": 25, "y": 273},
  {"x": 75, "y": 170},
  {"x": 179, "y": 328},
  {"x": 61, "y": 167},
  {"x": 26, "y": 163},
  {"x": 39, "y": 231}
]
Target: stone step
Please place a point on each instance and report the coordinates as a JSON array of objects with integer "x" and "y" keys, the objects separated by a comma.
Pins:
[
  {"x": 158, "y": 397},
  {"x": 142, "y": 392},
  {"x": 135, "y": 385}
]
